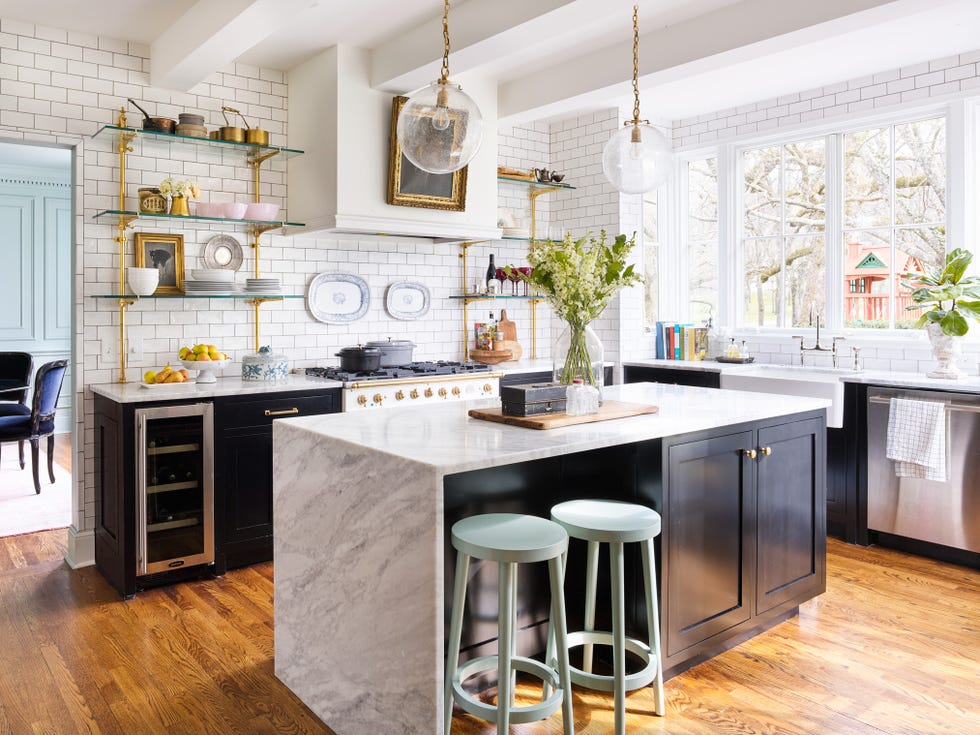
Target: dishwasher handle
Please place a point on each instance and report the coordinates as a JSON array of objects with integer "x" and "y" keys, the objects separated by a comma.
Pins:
[{"x": 963, "y": 407}]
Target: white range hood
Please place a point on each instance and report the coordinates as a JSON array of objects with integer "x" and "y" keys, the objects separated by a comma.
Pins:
[{"x": 340, "y": 183}]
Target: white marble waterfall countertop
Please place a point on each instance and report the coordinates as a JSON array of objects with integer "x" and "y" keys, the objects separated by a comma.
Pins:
[
  {"x": 359, "y": 537},
  {"x": 232, "y": 386},
  {"x": 446, "y": 438}
]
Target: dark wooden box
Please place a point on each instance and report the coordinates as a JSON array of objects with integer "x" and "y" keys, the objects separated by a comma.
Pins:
[
  {"x": 533, "y": 409},
  {"x": 532, "y": 392}
]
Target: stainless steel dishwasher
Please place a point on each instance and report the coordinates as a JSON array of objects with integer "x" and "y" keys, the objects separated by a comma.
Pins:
[{"x": 946, "y": 513}]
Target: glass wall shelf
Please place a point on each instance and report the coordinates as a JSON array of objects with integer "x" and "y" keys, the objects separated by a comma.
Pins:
[
  {"x": 165, "y": 139},
  {"x": 194, "y": 218},
  {"x": 539, "y": 184},
  {"x": 241, "y": 295},
  {"x": 474, "y": 296}
]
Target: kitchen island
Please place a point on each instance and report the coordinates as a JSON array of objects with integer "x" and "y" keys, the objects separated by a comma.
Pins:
[{"x": 362, "y": 504}]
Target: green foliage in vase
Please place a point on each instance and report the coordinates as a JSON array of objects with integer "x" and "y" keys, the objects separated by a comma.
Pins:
[
  {"x": 579, "y": 277},
  {"x": 952, "y": 294}
]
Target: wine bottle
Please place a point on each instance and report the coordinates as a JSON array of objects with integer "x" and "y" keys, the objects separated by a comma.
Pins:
[{"x": 491, "y": 274}]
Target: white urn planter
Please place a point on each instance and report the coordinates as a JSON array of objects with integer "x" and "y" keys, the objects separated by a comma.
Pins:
[{"x": 946, "y": 350}]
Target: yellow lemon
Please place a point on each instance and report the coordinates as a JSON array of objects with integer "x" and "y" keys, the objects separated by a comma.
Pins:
[{"x": 149, "y": 376}]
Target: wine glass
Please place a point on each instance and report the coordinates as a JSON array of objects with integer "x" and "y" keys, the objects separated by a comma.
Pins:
[
  {"x": 525, "y": 271},
  {"x": 513, "y": 278},
  {"x": 502, "y": 277}
]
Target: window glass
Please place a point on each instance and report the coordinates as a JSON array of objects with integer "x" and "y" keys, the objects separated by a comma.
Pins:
[
  {"x": 890, "y": 230},
  {"x": 784, "y": 199},
  {"x": 651, "y": 257},
  {"x": 702, "y": 239}
]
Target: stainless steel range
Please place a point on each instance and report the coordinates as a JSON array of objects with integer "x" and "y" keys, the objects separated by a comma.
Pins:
[{"x": 415, "y": 384}]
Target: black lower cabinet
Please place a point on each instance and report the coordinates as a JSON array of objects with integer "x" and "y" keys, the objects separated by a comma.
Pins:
[
  {"x": 671, "y": 376},
  {"x": 242, "y": 469}
]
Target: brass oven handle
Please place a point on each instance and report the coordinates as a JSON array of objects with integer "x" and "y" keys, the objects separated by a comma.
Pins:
[
  {"x": 283, "y": 412},
  {"x": 750, "y": 453}
]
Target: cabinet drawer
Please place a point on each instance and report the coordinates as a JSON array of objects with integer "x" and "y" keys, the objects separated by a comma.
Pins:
[{"x": 263, "y": 411}]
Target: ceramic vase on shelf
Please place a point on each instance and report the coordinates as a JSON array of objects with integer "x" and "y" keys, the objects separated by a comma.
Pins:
[
  {"x": 946, "y": 350},
  {"x": 578, "y": 353},
  {"x": 178, "y": 206}
]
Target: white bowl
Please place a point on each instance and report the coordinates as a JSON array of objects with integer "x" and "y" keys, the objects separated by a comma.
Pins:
[
  {"x": 143, "y": 281},
  {"x": 234, "y": 210},
  {"x": 262, "y": 211},
  {"x": 209, "y": 209},
  {"x": 206, "y": 369}
]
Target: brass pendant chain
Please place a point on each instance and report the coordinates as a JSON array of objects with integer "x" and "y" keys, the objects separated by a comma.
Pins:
[
  {"x": 636, "y": 64},
  {"x": 445, "y": 44}
]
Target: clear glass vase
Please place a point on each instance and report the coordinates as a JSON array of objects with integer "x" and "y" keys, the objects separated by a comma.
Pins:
[{"x": 578, "y": 353}]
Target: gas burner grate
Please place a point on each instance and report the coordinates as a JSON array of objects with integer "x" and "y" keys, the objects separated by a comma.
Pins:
[{"x": 413, "y": 369}]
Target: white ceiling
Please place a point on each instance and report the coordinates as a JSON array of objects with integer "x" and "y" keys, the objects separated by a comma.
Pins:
[{"x": 551, "y": 58}]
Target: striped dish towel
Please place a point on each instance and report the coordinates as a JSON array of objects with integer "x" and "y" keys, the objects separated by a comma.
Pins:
[{"x": 917, "y": 438}]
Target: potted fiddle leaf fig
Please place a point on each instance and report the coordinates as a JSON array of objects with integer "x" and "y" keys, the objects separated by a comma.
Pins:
[{"x": 950, "y": 298}]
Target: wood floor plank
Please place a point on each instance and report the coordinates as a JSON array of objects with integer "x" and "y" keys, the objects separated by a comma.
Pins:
[{"x": 890, "y": 649}]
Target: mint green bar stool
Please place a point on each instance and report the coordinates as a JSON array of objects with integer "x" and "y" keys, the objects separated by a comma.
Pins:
[
  {"x": 614, "y": 523},
  {"x": 509, "y": 539}
]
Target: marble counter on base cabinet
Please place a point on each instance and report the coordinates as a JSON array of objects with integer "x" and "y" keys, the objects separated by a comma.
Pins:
[{"x": 359, "y": 537}]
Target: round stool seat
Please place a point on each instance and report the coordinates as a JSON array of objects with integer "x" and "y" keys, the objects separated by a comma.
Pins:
[
  {"x": 509, "y": 537},
  {"x": 607, "y": 521}
]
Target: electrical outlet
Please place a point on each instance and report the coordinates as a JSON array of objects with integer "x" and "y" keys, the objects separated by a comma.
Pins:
[
  {"x": 134, "y": 352},
  {"x": 107, "y": 353}
]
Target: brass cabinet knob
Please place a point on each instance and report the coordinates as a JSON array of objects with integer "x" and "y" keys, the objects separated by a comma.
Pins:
[
  {"x": 428, "y": 392},
  {"x": 750, "y": 453},
  {"x": 378, "y": 398},
  {"x": 456, "y": 390},
  {"x": 414, "y": 393},
  {"x": 766, "y": 450},
  {"x": 362, "y": 400},
  {"x": 399, "y": 395}
]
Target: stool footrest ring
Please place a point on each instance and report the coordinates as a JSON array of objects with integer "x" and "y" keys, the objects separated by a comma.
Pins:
[
  {"x": 518, "y": 715},
  {"x": 602, "y": 683}
]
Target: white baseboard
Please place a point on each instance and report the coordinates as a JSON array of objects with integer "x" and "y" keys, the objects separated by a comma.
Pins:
[{"x": 81, "y": 548}]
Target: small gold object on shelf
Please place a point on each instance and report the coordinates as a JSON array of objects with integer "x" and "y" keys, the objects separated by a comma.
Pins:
[{"x": 152, "y": 201}]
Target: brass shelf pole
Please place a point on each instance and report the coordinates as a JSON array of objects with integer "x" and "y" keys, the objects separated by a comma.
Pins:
[
  {"x": 122, "y": 224},
  {"x": 256, "y": 161},
  {"x": 466, "y": 302},
  {"x": 535, "y": 193}
]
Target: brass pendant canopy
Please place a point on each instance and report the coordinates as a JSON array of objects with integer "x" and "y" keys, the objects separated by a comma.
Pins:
[
  {"x": 637, "y": 158},
  {"x": 440, "y": 127}
]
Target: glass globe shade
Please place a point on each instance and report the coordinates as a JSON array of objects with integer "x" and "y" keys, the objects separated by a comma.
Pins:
[
  {"x": 440, "y": 128},
  {"x": 637, "y": 159}
]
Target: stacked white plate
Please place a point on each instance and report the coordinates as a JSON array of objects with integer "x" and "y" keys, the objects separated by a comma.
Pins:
[
  {"x": 263, "y": 285},
  {"x": 210, "y": 282}
]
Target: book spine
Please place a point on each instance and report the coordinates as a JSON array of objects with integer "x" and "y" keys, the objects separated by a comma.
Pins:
[
  {"x": 659, "y": 329},
  {"x": 677, "y": 342}
]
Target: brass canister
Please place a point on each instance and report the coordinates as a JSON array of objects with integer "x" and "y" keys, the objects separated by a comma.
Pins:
[
  {"x": 236, "y": 135},
  {"x": 257, "y": 136},
  {"x": 152, "y": 201}
]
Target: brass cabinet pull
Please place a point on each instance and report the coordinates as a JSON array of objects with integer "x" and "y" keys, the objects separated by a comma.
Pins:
[
  {"x": 750, "y": 453},
  {"x": 283, "y": 412},
  {"x": 766, "y": 450}
]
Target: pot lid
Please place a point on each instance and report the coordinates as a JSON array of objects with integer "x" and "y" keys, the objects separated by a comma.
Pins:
[
  {"x": 383, "y": 343},
  {"x": 359, "y": 350}
]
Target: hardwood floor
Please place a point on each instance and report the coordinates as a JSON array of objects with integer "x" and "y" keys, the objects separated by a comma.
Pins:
[{"x": 890, "y": 648}]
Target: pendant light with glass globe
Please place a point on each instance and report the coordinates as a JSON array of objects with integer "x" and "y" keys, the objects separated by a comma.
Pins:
[
  {"x": 637, "y": 158},
  {"x": 440, "y": 127}
]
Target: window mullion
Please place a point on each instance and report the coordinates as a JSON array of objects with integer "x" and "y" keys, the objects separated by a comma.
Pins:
[
  {"x": 833, "y": 231},
  {"x": 730, "y": 266}
]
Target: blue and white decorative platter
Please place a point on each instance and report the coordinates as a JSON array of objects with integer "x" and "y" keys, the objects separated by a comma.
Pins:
[
  {"x": 338, "y": 298},
  {"x": 406, "y": 300}
]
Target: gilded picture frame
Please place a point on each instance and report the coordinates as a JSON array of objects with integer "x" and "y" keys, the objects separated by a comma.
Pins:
[
  {"x": 410, "y": 186},
  {"x": 165, "y": 252}
]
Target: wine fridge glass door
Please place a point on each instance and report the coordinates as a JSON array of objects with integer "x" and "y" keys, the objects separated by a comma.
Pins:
[{"x": 175, "y": 487}]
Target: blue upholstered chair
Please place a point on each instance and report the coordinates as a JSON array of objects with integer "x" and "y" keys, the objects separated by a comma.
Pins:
[
  {"x": 15, "y": 370},
  {"x": 39, "y": 422}
]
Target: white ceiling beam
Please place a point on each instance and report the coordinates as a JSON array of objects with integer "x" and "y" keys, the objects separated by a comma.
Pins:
[
  {"x": 480, "y": 31},
  {"x": 212, "y": 34},
  {"x": 731, "y": 34}
]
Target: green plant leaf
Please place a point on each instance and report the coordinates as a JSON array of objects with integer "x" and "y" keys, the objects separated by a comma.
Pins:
[{"x": 954, "y": 324}]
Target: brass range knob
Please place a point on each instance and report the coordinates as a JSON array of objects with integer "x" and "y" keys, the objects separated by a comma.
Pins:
[
  {"x": 399, "y": 395},
  {"x": 378, "y": 398},
  {"x": 414, "y": 393},
  {"x": 442, "y": 392},
  {"x": 487, "y": 388},
  {"x": 362, "y": 400},
  {"x": 428, "y": 392},
  {"x": 750, "y": 453},
  {"x": 766, "y": 450},
  {"x": 456, "y": 390}
]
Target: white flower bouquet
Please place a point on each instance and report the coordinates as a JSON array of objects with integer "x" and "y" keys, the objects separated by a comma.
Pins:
[{"x": 172, "y": 187}]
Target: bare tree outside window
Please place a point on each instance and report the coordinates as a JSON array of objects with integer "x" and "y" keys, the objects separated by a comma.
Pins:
[
  {"x": 702, "y": 239},
  {"x": 894, "y": 217},
  {"x": 651, "y": 257}
]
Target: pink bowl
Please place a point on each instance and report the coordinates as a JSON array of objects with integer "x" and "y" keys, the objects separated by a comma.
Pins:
[
  {"x": 261, "y": 210},
  {"x": 209, "y": 209},
  {"x": 234, "y": 210}
]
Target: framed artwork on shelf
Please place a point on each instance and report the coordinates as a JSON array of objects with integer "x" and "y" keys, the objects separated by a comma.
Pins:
[
  {"x": 410, "y": 186},
  {"x": 164, "y": 252}
]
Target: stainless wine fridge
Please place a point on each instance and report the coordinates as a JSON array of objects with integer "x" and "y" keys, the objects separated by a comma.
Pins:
[{"x": 175, "y": 487}]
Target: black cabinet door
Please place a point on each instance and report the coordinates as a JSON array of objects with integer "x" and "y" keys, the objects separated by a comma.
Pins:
[
  {"x": 671, "y": 376},
  {"x": 792, "y": 538},
  {"x": 247, "y": 475},
  {"x": 707, "y": 558}
]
